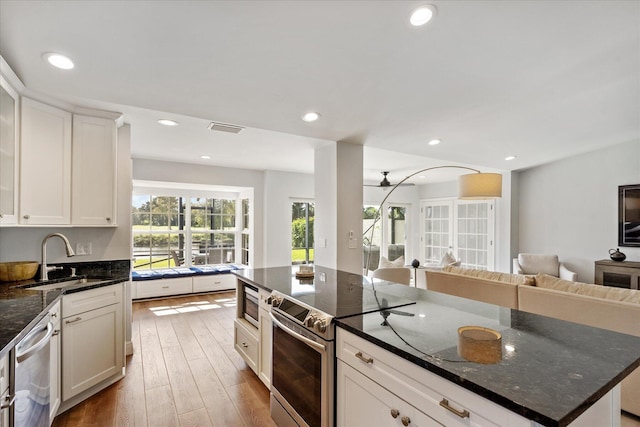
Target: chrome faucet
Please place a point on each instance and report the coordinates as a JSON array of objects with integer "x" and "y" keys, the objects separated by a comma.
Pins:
[{"x": 44, "y": 269}]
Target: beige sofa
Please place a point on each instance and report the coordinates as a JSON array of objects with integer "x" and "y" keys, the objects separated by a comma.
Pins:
[{"x": 593, "y": 305}]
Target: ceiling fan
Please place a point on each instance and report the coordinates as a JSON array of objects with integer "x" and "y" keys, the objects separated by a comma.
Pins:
[{"x": 386, "y": 184}]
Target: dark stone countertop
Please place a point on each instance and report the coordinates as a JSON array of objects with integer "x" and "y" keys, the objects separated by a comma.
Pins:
[
  {"x": 553, "y": 372},
  {"x": 21, "y": 307}
]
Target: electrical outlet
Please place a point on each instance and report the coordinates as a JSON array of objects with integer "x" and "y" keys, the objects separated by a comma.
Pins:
[
  {"x": 353, "y": 242},
  {"x": 83, "y": 248}
]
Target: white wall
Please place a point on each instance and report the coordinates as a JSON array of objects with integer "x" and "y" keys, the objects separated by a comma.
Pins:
[
  {"x": 570, "y": 207},
  {"x": 279, "y": 190},
  {"x": 108, "y": 243},
  {"x": 325, "y": 187}
]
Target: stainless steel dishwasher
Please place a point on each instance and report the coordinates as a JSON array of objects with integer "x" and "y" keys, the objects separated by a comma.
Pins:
[{"x": 31, "y": 376}]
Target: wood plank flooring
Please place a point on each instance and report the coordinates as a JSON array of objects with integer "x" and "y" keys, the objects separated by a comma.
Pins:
[{"x": 184, "y": 372}]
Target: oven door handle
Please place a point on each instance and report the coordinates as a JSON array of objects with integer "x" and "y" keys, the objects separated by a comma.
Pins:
[{"x": 309, "y": 342}]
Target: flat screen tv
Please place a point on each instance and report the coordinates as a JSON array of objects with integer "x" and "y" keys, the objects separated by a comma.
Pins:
[{"x": 629, "y": 215}]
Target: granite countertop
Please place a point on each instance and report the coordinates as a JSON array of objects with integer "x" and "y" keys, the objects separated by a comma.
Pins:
[
  {"x": 21, "y": 307},
  {"x": 551, "y": 370}
]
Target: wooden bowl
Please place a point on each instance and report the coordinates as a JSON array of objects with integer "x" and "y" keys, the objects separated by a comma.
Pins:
[
  {"x": 18, "y": 270},
  {"x": 480, "y": 345}
]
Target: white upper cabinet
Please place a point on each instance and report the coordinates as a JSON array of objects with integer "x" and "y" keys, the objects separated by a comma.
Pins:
[
  {"x": 9, "y": 119},
  {"x": 93, "y": 187},
  {"x": 45, "y": 164}
]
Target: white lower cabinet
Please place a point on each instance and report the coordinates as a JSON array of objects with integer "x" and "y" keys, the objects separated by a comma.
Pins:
[
  {"x": 182, "y": 285},
  {"x": 264, "y": 371},
  {"x": 363, "y": 402},
  {"x": 215, "y": 282},
  {"x": 439, "y": 400},
  {"x": 92, "y": 338},
  {"x": 54, "y": 363},
  {"x": 163, "y": 287},
  {"x": 371, "y": 382},
  {"x": 245, "y": 338}
]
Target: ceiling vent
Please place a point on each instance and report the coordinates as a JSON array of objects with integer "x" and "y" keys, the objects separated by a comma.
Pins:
[{"x": 225, "y": 127}]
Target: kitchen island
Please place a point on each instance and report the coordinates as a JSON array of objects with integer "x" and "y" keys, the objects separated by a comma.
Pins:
[{"x": 550, "y": 371}]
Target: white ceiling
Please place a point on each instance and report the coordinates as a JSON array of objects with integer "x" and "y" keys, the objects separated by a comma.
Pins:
[{"x": 541, "y": 80}]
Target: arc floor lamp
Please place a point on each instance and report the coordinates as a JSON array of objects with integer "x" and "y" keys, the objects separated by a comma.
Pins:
[{"x": 477, "y": 185}]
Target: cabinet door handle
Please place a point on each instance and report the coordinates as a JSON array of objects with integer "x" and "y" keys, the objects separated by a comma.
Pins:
[
  {"x": 77, "y": 319},
  {"x": 55, "y": 333},
  {"x": 395, "y": 413},
  {"x": 367, "y": 360},
  {"x": 445, "y": 404},
  {"x": 26, "y": 216},
  {"x": 108, "y": 219},
  {"x": 244, "y": 344},
  {"x": 405, "y": 421}
]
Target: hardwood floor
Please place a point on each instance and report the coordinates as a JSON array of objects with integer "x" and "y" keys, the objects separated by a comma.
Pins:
[{"x": 184, "y": 372}]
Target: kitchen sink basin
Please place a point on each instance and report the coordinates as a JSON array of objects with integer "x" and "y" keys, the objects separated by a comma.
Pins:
[{"x": 64, "y": 284}]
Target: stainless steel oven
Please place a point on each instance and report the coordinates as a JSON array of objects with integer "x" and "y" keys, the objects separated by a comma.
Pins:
[
  {"x": 250, "y": 303},
  {"x": 302, "y": 376}
]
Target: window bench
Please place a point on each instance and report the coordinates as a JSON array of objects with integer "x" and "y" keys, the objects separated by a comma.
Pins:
[{"x": 183, "y": 280}]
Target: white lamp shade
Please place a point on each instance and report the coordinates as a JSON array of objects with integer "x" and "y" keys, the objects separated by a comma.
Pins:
[{"x": 480, "y": 186}]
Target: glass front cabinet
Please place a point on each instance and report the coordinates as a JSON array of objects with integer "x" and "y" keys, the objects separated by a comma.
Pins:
[{"x": 9, "y": 111}]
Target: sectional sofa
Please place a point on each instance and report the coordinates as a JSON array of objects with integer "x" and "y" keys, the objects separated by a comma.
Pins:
[{"x": 589, "y": 304}]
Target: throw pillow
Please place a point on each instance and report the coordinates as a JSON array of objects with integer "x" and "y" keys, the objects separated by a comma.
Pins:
[
  {"x": 385, "y": 263},
  {"x": 447, "y": 259}
]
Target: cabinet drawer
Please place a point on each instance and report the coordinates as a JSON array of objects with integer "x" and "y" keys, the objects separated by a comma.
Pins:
[
  {"x": 246, "y": 343},
  {"x": 216, "y": 282},
  {"x": 421, "y": 388},
  {"x": 91, "y": 299},
  {"x": 163, "y": 287}
]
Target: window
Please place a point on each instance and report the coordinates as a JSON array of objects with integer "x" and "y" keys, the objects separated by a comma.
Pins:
[
  {"x": 245, "y": 231},
  {"x": 158, "y": 231},
  {"x": 464, "y": 227},
  {"x": 171, "y": 231},
  {"x": 302, "y": 215},
  {"x": 438, "y": 229},
  {"x": 389, "y": 237},
  {"x": 213, "y": 230}
]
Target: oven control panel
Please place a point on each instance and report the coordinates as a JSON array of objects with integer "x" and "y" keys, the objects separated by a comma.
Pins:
[{"x": 300, "y": 313}]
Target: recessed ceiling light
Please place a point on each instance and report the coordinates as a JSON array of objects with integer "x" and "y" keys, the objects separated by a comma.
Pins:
[
  {"x": 422, "y": 15},
  {"x": 435, "y": 141},
  {"x": 58, "y": 60},
  {"x": 510, "y": 157},
  {"x": 205, "y": 157},
  {"x": 168, "y": 122},
  {"x": 311, "y": 116}
]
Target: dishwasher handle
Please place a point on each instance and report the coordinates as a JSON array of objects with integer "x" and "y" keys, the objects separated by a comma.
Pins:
[{"x": 22, "y": 355}]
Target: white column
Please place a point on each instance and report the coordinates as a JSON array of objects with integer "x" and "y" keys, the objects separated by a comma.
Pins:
[{"x": 338, "y": 206}]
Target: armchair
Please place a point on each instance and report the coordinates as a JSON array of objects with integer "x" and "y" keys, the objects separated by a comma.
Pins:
[{"x": 539, "y": 263}]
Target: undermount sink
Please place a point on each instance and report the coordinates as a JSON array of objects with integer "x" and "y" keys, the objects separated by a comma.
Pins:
[{"x": 64, "y": 284}]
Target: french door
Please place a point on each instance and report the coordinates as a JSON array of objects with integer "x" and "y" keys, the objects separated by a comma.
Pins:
[{"x": 464, "y": 227}]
